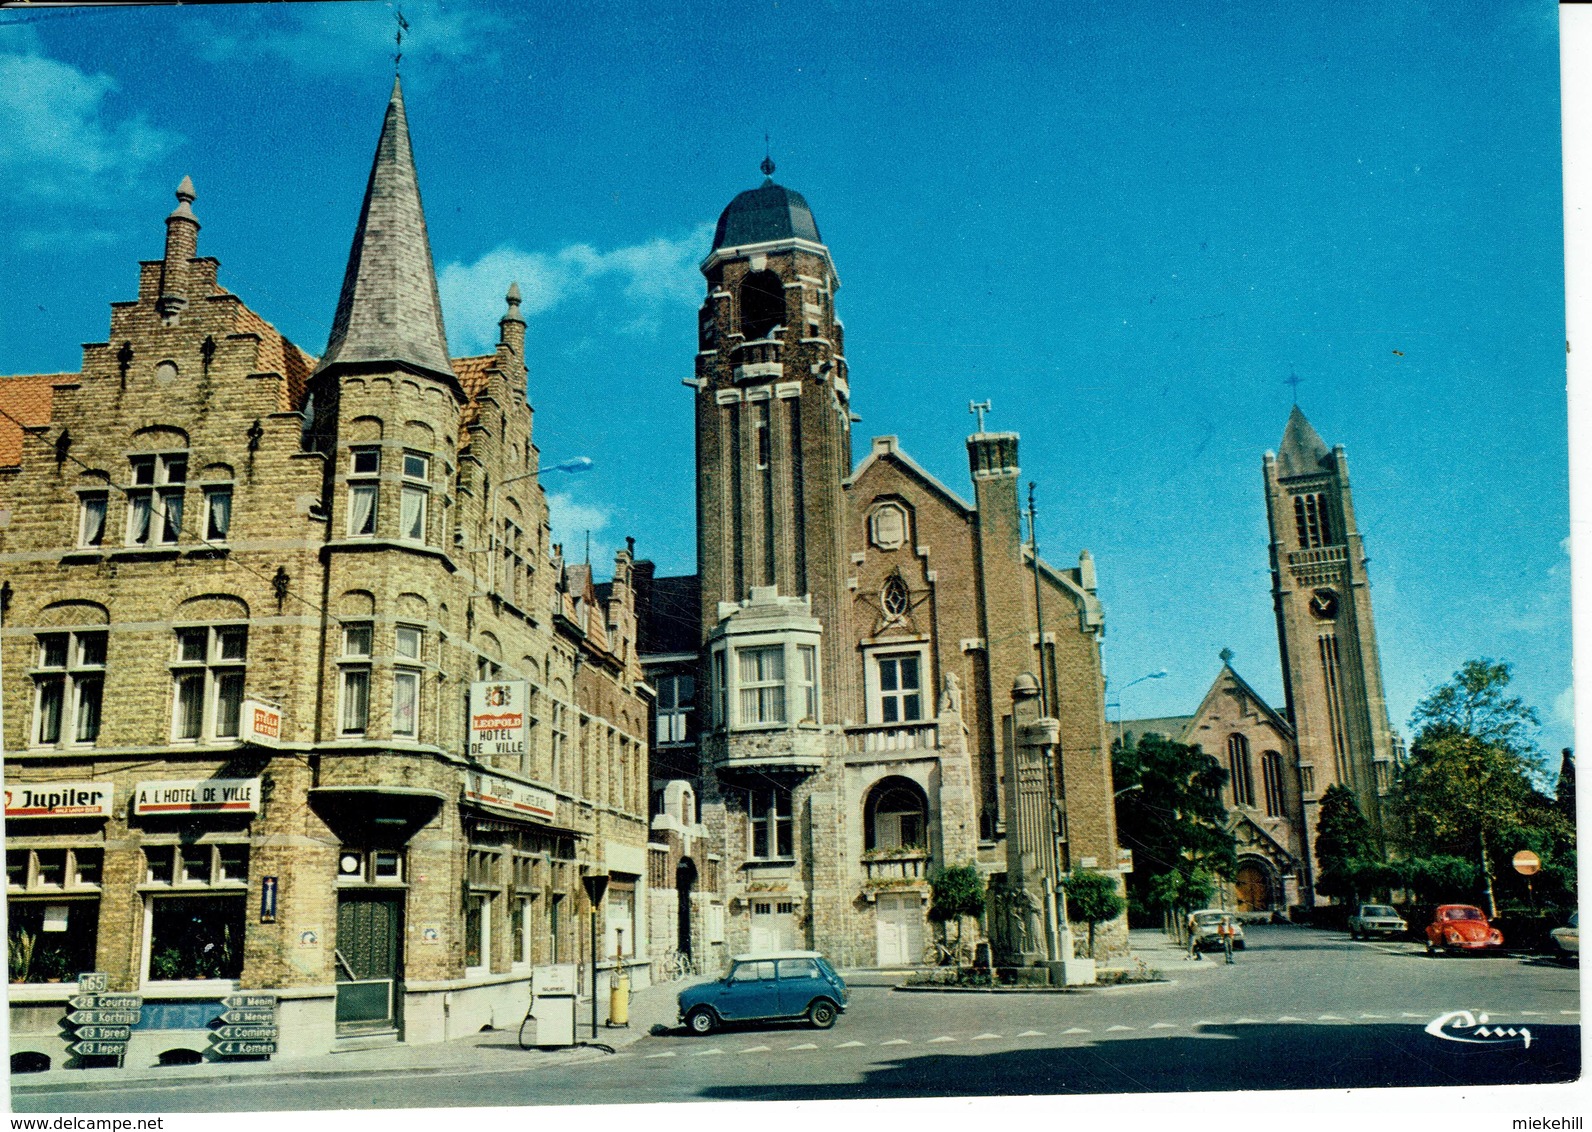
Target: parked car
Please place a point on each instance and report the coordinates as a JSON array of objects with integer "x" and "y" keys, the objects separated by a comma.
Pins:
[
  {"x": 783, "y": 986},
  {"x": 1202, "y": 926},
  {"x": 1376, "y": 919},
  {"x": 1569, "y": 937},
  {"x": 1460, "y": 927}
]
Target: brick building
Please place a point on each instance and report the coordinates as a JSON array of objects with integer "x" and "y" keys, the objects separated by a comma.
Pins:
[
  {"x": 836, "y": 683},
  {"x": 248, "y": 597}
]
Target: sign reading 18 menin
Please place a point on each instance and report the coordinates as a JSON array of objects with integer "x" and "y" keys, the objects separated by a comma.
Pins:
[
  {"x": 498, "y": 723},
  {"x": 200, "y": 796}
]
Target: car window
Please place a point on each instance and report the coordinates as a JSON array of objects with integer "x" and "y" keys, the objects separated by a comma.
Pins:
[
  {"x": 1377, "y": 910},
  {"x": 752, "y": 972},
  {"x": 798, "y": 969},
  {"x": 1462, "y": 914}
]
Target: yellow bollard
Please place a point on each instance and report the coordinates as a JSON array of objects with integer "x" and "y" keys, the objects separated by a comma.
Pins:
[{"x": 619, "y": 1000}]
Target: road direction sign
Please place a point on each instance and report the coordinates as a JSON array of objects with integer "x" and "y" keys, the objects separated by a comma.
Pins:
[
  {"x": 246, "y": 1001},
  {"x": 98, "y": 1049},
  {"x": 117, "y": 1002},
  {"x": 243, "y": 1049},
  {"x": 83, "y": 1001},
  {"x": 91, "y": 981},
  {"x": 104, "y": 1033},
  {"x": 103, "y": 1017},
  {"x": 245, "y": 1034},
  {"x": 248, "y": 1017}
]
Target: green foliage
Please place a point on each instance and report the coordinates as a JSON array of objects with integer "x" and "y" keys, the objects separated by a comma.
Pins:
[
  {"x": 1169, "y": 812},
  {"x": 1344, "y": 845},
  {"x": 1469, "y": 790},
  {"x": 1437, "y": 877},
  {"x": 956, "y": 891},
  {"x": 19, "y": 957},
  {"x": 1093, "y": 898}
]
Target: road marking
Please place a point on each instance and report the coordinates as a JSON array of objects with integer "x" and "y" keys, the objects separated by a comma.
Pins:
[
  {"x": 1330, "y": 1018},
  {"x": 705, "y": 1052},
  {"x": 896, "y": 1042},
  {"x": 1245, "y": 1021},
  {"x": 1109, "y": 1029},
  {"x": 985, "y": 1037},
  {"x": 804, "y": 1045},
  {"x": 1569, "y": 1012},
  {"x": 1075, "y": 1030},
  {"x": 670, "y": 1053},
  {"x": 1523, "y": 1013},
  {"x": 1407, "y": 1014},
  {"x": 849, "y": 1045},
  {"x": 1289, "y": 1018},
  {"x": 1164, "y": 1026},
  {"x": 1204, "y": 1022},
  {"x": 1032, "y": 1034},
  {"x": 755, "y": 1049},
  {"x": 1373, "y": 1016},
  {"x": 941, "y": 1039}
]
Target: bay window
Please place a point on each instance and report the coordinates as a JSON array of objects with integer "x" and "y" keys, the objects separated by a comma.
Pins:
[
  {"x": 354, "y": 679},
  {"x": 406, "y": 683},
  {"x": 364, "y": 465},
  {"x": 414, "y": 496},
  {"x": 762, "y": 679}
]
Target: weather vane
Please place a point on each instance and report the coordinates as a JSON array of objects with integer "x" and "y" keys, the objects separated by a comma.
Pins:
[
  {"x": 398, "y": 37},
  {"x": 979, "y": 408},
  {"x": 767, "y": 165}
]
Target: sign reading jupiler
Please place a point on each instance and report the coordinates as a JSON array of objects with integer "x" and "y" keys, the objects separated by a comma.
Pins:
[
  {"x": 498, "y": 723},
  {"x": 511, "y": 797},
  {"x": 59, "y": 800},
  {"x": 200, "y": 796}
]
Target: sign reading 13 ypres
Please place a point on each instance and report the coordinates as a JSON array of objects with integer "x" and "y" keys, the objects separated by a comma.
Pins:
[{"x": 498, "y": 724}]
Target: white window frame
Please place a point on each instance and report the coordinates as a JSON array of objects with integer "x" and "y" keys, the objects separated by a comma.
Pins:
[
  {"x": 674, "y": 707},
  {"x": 769, "y": 689},
  {"x": 215, "y": 670},
  {"x": 362, "y": 482},
  {"x": 353, "y": 668},
  {"x": 85, "y": 502},
  {"x": 178, "y": 887},
  {"x": 159, "y": 493},
  {"x": 213, "y": 492},
  {"x": 762, "y": 808},
  {"x": 872, "y": 681},
  {"x": 408, "y": 668},
  {"x": 415, "y": 490},
  {"x": 73, "y": 677}
]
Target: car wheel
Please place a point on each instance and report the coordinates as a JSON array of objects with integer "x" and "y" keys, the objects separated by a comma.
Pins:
[
  {"x": 1353, "y": 934},
  {"x": 1240, "y": 945},
  {"x": 702, "y": 1021},
  {"x": 821, "y": 1014},
  {"x": 1431, "y": 948}
]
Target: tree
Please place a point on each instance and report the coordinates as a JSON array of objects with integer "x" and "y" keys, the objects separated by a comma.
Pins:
[
  {"x": 1093, "y": 898},
  {"x": 955, "y": 892},
  {"x": 1169, "y": 812},
  {"x": 1469, "y": 787},
  {"x": 1564, "y": 789},
  {"x": 1344, "y": 845}
]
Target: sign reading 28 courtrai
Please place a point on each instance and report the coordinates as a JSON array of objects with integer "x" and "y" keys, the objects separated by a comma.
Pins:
[
  {"x": 499, "y": 720},
  {"x": 59, "y": 800},
  {"x": 199, "y": 796}
]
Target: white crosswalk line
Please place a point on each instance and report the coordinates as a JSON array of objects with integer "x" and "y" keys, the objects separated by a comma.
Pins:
[
  {"x": 1525, "y": 1013},
  {"x": 1032, "y": 1034},
  {"x": 652, "y": 1056},
  {"x": 1164, "y": 1026},
  {"x": 1408, "y": 1014},
  {"x": 1373, "y": 1016},
  {"x": 804, "y": 1045},
  {"x": 1330, "y": 1018},
  {"x": 849, "y": 1045},
  {"x": 1110, "y": 1029},
  {"x": 1289, "y": 1018},
  {"x": 896, "y": 1042},
  {"x": 1245, "y": 1021},
  {"x": 941, "y": 1039},
  {"x": 705, "y": 1052},
  {"x": 985, "y": 1037},
  {"x": 756, "y": 1049},
  {"x": 1569, "y": 1012},
  {"x": 1075, "y": 1030}
]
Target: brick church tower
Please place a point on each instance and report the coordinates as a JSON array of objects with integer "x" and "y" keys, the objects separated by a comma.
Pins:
[{"x": 1332, "y": 675}]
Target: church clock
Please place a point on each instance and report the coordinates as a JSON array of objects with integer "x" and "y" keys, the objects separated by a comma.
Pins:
[{"x": 1324, "y": 604}]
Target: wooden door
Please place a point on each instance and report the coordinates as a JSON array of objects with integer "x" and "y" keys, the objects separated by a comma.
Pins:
[{"x": 369, "y": 960}]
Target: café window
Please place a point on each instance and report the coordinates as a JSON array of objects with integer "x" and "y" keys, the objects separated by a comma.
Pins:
[
  {"x": 208, "y": 681},
  {"x": 197, "y": 904},
  {"x": 49, "y": 941},
  {"x": 69, "y": 687}
]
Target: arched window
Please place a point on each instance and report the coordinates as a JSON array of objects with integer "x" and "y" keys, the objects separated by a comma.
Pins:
[
  {"x": 896, "y": 816},
  {"x": 1271, "y": 778},
  {"x": 762, "y": 304},
  {"x": 1242, "y": 778}
]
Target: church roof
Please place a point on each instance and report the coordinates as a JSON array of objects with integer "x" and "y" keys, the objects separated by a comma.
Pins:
[
  {"x": 768, "y": 212},
  {"x": 1303, "y": 452},
  {"x": 388, "y": 312}
]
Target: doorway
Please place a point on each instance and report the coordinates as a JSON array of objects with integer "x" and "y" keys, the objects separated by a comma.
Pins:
[
  {"x": 685, "y": 876},
  {"x": 1252, "y": 888},
  {"x": 369, "y": 960},
  {"x": 899, "y": 920}
]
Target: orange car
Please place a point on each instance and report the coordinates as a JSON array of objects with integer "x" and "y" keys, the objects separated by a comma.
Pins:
[{"x": 1460, "y": 927}]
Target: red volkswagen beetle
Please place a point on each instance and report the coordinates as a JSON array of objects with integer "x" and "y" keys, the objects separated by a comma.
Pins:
[{"x": 1460, "y": 927}]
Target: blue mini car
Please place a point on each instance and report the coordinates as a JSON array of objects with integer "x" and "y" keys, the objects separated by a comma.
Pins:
[{"x": 782, "y": 986}]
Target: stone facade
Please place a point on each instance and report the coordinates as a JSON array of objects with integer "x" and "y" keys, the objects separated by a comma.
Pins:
[
  {"x": 206, "y": 519},
  {"x": 860, "y": 634}
]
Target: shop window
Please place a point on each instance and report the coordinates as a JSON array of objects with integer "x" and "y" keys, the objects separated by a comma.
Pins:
[
  {"x": 69, "y": 687},
  {"x": 364, "y": 465},
  {"x": 154, "y": 498},
  {"x": 218, "y": 512},
  {"x": 197, "y": 865},
  {"x": 354, "y": 679},
  {"x": 196, "y": 937},
  {"x": 45, "y": 870},
  {"x": 520, "y": 931},
  {"x": 770, "y": 811},
  {"x": 477, "y": 932},
  {"x": 50, "y": 942},
  {"x": 208, "y": 681},
  {"x": 414, "y": 497},
  {"x": 91, "y": 518}
]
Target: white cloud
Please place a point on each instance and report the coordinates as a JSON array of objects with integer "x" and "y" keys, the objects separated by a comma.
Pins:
[
  {"x": 572, "y": 520},
  {"x": 646, "y": 276},
  {"x": 1564, "y": 706},
  {"x": 57, "y": 139},
  {"x": 324, "y": 38}
]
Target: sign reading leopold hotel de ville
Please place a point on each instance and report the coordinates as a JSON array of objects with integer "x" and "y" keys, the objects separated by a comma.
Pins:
[
  {"x": 498, "y": 719},
  {"x": 199, "y": 796}
]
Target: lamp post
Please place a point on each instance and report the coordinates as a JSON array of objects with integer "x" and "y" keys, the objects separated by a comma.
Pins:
[
  {"x": 573, "y": 466},
  {"x": 1147, "y": 676}
]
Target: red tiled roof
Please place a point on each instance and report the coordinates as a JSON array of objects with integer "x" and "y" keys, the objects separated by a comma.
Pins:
[
  {"x": 278, "y": 355},
  {"x": 25, "y": 401},
  {"x": 473, "y": 376}
]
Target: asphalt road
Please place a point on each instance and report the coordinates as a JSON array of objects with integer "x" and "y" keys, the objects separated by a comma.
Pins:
[{"x": 1299, "y": 1009}]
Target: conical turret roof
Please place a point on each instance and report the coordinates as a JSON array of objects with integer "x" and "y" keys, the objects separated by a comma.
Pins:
[
  {"x": 388, "y": 312},
  {"x": 1303, "y": 452}
]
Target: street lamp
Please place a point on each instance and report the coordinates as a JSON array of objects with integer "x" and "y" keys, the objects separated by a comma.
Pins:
[
  {"x": 1156, "y": 675},
  {"x": 573, "y": 466}
]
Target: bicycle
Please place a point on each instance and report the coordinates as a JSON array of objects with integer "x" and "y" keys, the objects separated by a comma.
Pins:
[{"x": 679, "y": 965}]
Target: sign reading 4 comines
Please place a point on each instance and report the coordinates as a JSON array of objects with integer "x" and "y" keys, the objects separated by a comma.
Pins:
[{"x": 498, "y": 718}]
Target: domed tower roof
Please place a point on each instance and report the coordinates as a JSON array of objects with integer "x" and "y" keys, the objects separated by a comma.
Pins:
[{"x": 768, "y": 212}]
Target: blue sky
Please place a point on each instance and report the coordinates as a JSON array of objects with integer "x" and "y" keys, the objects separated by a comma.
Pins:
[{"x": 1125, "y": 225}]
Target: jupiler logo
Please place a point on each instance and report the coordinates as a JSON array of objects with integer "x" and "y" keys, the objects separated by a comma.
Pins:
[{"x": 1473, "y": 1029}]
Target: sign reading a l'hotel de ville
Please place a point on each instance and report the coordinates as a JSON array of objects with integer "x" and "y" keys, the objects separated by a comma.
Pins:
[{"x": 198, "y": 796}]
